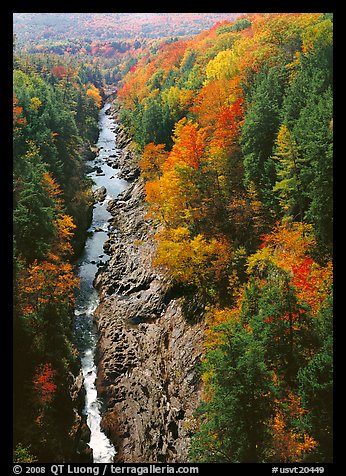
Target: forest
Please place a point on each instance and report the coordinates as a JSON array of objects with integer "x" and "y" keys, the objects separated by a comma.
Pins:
[
  {"x": 55, "y": 118},
  {"x": 233, "y": 129}
]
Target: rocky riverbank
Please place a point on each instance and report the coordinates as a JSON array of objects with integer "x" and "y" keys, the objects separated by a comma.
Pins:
[
  {"x": 80, "y": 433},
  {"x": 147, "y": 351}
]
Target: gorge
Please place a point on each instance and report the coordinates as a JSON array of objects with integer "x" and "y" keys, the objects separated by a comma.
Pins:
[
  {"x": 143, "y": 354},
  {"x": 173, "y": 238},
  {"x": 87, "y": 301}
]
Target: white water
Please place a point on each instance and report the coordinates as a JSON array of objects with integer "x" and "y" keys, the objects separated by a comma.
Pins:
[{"x": 87, "y": 300}]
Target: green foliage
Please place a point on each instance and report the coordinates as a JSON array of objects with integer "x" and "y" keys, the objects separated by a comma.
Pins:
[
  {"x": 261, "y": 124},
  {"x": 238, "y": 25},
  {"x": 34, "y": 211},
  {"x": 263, "y": 350},
  {"x": 316, "y": 386},
  {"x": 308, "y": 112},
  {"x": 233, "y": 422}
]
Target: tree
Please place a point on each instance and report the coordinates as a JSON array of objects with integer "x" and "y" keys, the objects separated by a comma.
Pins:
[
  {"x": 233, "y": 425},
  {"x": 271, "y": 343},
  {"x": 22, "y": 454},
  {"x": 289, "y": 185},
  {"x": 44, "y": 385},
  {"x": 261, "y": 124},
  {"x": 152, "y": 127},
  {"x": 316, "y": 144},
  {"x": 152, "y": 160},
  {"x": 193, "y": 260},
  {"x": 189, "y": 145},
  {"x": 224, "y": 153},
  {"x": 288, "y": 443},
  {"x": 34, "y": 211},
  {"x": 308, "y": 113},
  {"x": 165, "y": 198},
  {"x": 94, "y": 93},
  {"x": 210, "y": 100},
  {"x": 178, "y": 101},
  {"x": 290, "y": 247},
  {"x": 316, "y": 387}
]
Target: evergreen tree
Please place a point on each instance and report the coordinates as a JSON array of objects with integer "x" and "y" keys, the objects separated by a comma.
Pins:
[
  {"x": 233, "y": 420},
  {"x": 261, "y": 125}
]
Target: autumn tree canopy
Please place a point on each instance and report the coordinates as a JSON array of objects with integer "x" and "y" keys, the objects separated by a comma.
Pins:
[{"x": 239, "y": 180}]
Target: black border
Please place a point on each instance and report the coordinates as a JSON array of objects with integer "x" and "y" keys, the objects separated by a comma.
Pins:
[{"x": 6, "y": 32}]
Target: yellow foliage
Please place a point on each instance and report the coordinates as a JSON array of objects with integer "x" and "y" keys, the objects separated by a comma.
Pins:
[
  {"x": 191, "y": 260},
  {"x": 165, "y": 198},
  {"x": 214, "y": 337},
  {"x": 94, "y": 93},
  {"x": 226, "y": 64},
  {"x": 65, "y": 227},
  {"x": 178, "y": 100},
  {"x": 35, "y": 103},
  {"x": 288, "y": 445}
]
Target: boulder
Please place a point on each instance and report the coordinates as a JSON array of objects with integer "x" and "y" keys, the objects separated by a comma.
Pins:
[{"x": 100, "y": 194}]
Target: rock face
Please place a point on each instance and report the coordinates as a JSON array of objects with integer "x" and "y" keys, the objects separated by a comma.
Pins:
[
  {"x": 147, "y": 352},
  {"x": 80, "y": 433}
]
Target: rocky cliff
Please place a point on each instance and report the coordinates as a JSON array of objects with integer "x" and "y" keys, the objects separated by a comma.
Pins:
[{"x": 147, "y": 353}]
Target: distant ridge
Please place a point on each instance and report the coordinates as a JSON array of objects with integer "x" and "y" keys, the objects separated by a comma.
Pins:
[{"x": 38, "y": 27}]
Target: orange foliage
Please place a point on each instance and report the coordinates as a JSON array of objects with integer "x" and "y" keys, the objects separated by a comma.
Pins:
[
  {"x": 228, "y": 125},
  {"x": 289, "y": 247},
  {"x": 225, "y": 140},
  {"x": 53, "y": 190},
  {"x": 17, "y": 112},
  {"x": 210, "y": 101},
  {"x": 171, "y": 55},
  {"x": 152, "y": 159},
  {"x": 59, "y": 71},
  {"x": 48, "y": 282},
  {"x": 288, "y": 445},
  {"x": 189, "y": 145},
  {"x": 136, "y": 86}
]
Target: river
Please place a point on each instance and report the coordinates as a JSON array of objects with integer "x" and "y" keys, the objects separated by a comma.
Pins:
[{"x": 85, "y": 333}]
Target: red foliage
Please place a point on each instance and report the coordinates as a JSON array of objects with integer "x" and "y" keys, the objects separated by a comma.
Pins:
[
  {"x": 171, "y": 55},
  {"x": 44, "y": 383},
  {"x": 59, "y": 71},
  {"x": 302, "y": 274},
  {"x": 228, "y": 124}
]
